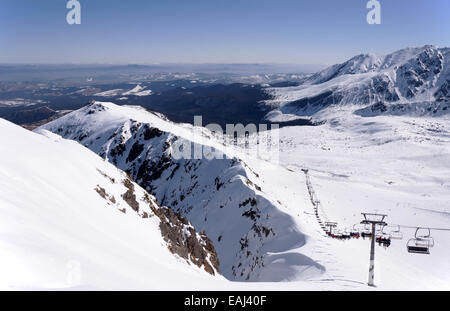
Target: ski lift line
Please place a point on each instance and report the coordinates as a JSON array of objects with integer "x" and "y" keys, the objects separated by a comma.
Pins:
[{"x": 317, "y": 207}]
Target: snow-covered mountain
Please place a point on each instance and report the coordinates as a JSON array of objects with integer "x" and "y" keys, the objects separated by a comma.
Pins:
[
  {"x": 68, "y": 219},
  {"x": 225, "y": 197},
  {"x": 261, "y": 216},
  {"x": 382, "y": 150},
  {"x": 410, "y": 81}
]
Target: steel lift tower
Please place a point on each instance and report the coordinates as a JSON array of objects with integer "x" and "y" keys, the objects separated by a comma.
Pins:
[{"x": 374, "y": 220}]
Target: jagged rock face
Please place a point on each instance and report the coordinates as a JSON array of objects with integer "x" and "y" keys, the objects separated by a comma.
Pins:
[
  {"x": 184, "y": 241},
  {"x": 419, "y": 73},
  {"x": 180, "y": 236},
  {"x": 198, "y": 189},
  {"x": 382, "y": 87},
  {"x": 443, "y": 93},
  {"x": 202, "y": 190},
  {"x": 311, "y": 105},
  {"x": 223, "y": 197},
  {"x": 430, "y": 109}
]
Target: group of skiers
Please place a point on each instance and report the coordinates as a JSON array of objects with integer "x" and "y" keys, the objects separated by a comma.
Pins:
[
  {"x": 345, "y": 236},
  {"x": 381, "y": 240}
]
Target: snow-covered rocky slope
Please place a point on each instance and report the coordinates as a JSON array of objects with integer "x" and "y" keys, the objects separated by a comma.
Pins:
[
  {"x": 396, "y": 165},
  {"x": 69, "y": 219},
  {"x": 412, "y": 81},
  {"x": 225, "y": 197},
  {"x": 260, "y": 215}
]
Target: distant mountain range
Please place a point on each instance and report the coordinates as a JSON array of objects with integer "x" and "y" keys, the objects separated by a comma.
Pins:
[
  {"x": 104, "y": 72},
  {"x": 410, "y": 81}
]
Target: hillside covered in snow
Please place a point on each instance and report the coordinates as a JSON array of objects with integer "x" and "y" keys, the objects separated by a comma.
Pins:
[
  {"x": 104, "y": 189},
  {"x": 68, "y": 219},
  {"x": 225, "y": 197},
  {"x": 261, "y": 216}
]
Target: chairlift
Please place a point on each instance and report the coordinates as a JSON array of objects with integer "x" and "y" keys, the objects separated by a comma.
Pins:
[
  {"x": 366, "y": 232},
  {"x": 355, "y": 228},
  {"x": 354, "y": 232},
  {"x": 421, "y": 243},
  {"x": 424, "y": 239},
  {"x": 396, "y": 234},
  {"x": 347, "y": 234},
  {"x": 379, "y": 232}
]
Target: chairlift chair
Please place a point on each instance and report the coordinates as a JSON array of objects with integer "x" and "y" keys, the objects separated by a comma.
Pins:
[
  {"x": 347, "y": 234},
  {"x": 417, "y": 249},
  {"x": 379, "y": 232},
  {"x": 396, "y": 234},
  {"x": 355, "y": 228},
  {"x": 366, "y": 232},
  {"x": 420, "y": 244},
  {"x": 424, "y": 239},
  {"x": 354, "y": 232}
]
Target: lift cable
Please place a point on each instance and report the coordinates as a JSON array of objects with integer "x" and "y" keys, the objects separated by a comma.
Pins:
[{"x": 415, "y": 227}]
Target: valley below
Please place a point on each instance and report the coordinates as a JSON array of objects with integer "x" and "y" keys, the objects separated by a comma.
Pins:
[{"x": 99, "y": 183}]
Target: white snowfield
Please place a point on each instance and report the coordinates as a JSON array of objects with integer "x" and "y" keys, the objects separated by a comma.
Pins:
[
  {"x": 399, "y": 166},
  {"x": 391, "y": 158},
  {"x": 393, "y": 165}
]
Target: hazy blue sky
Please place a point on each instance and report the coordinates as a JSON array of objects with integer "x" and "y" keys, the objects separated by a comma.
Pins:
[{"x": 213, "y": 31}]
